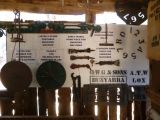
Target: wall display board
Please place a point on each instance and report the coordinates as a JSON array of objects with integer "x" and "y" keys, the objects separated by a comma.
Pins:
[
  {"x": 115, "y": 55},
  {"x": 153, "y": 44},
  {"x": 2, "y": 51}
]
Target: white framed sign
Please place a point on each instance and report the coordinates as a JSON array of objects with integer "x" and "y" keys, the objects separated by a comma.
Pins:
[{"x": 115, "y": 55}]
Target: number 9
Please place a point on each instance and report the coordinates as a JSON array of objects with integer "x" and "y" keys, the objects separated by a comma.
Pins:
[{"x": 133, "y": 18}]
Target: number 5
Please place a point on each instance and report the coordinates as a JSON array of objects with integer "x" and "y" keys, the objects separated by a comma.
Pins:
[{"x": 140, "y": 14}]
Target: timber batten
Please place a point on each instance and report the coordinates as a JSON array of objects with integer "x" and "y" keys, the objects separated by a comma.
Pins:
[{"x": 59, "y": 6}]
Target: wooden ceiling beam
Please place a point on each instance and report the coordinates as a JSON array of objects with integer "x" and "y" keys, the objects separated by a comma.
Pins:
[
  {"x": 57, "y": 6},
  {"x": 60, "y": 6}
]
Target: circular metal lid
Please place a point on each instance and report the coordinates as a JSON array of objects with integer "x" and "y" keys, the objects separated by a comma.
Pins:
[
  {"x": 51, "y": 75},
  {"x": 16, "y": 76}
]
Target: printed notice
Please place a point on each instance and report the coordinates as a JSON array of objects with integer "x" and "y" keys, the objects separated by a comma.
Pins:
[
  {"x": 76, "y": 40},
  {"x": 47, "y": 39},
  {"x": 108, "y": 79},
  {"x": 54, "y": 55},
  {"x": 108, "y": 76},
  {"x": 26, "y": 55}
]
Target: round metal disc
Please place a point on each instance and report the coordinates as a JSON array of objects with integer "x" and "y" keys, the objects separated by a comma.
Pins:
[
  {"x": 51, "y": 75},
  {"x": 16, "y": 76},
  {"x": 131, "y": 12}
]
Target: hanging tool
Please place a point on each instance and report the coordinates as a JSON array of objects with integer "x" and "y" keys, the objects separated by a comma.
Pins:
[
  {"x": 106, "y": 33},
  {"x": 87, "y": 50},
  {"x": 116, "y": 62},
  {"x": 95, "y": 29},
  {"x": 16, "y": 76},
  {"x": 74, "y": 66},
  {"x": 17, "y": 27},
  {"x": 76, "y": 88},
  {"x": 72, "y": 57},
  {"x": 77, "y": 95}
]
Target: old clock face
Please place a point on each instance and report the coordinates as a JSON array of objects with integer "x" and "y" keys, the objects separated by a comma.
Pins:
[
  {"x": 130, "y": 42},
  {"x": 132, "y": 12}
]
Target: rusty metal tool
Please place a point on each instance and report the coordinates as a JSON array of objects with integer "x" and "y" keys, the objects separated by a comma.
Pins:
[
  {"x": 87, "y": 50},
  {"x": 72, "y": 57},
  {"x": 74, "y": 66},
  {"x": 106, "y": 43},
  {"x": 116, "y": 62},
  {"x": 95, "y": 29},
  {"x": 76, "y": 88},
  {"x": 92, "y": 61},
  {"x": 77, "y": 95}
]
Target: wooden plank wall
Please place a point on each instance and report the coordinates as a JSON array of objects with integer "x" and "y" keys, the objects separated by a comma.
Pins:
[
  {"x": 154, "y": 88},
  {"x": 25, "y": 105}
]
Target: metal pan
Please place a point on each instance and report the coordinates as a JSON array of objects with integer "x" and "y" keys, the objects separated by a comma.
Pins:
[
  {"x": 16, "y": 76},
  {"x": 51, "y": 75}
]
